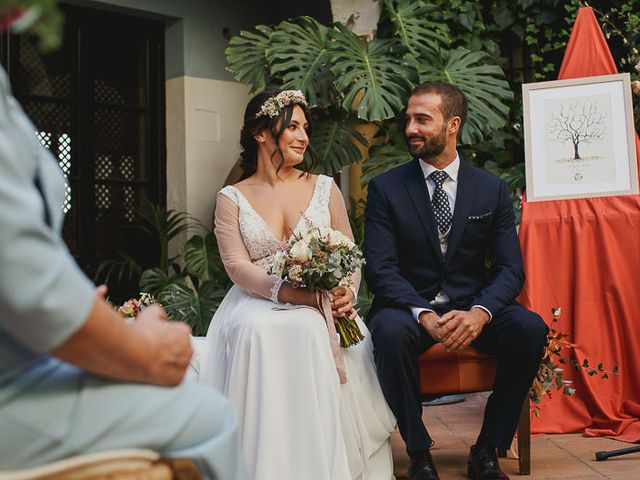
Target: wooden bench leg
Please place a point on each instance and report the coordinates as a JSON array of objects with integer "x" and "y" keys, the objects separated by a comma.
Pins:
[{"x": 524, "y": 440}]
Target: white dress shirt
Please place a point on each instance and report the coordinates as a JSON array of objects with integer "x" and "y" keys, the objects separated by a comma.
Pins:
[{"x": 450, "y": 187}]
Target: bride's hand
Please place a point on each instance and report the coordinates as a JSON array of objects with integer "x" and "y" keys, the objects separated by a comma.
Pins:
[
  {"x": 342, "y": 303},
  {"x": 297, "y": 296}
]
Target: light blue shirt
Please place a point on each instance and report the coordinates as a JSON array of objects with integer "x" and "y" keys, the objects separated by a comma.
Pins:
[{"x": 44, "y": 296}]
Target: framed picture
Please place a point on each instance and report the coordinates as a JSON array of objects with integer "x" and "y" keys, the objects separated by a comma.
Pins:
[{"x": 579, "y": 138}]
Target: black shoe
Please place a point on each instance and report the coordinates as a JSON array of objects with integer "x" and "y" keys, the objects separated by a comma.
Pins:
[
  {"x": 483, "y": 464},
  {"x": 422, "y": 467}
]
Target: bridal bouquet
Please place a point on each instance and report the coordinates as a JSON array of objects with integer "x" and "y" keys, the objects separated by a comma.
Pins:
[{"x": 321, "y": 259}]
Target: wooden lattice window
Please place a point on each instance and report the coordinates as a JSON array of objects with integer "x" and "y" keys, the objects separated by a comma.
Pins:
[{"x": 98, "y": 105}]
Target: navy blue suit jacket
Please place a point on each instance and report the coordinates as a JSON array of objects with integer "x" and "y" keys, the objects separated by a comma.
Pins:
[{"x": 404, "y": 263}]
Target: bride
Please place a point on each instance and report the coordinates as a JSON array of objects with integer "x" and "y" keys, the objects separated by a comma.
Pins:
[{"x": 307, "y": 411}]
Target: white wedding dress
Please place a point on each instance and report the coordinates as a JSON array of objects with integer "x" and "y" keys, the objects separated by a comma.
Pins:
[{"x": 275, "y": 364}]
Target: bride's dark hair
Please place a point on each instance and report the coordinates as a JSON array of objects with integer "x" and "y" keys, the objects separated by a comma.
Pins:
[{"x": 253, "y": 125}]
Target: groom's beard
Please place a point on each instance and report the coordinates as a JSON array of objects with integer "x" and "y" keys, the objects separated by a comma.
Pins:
[{"x": 430, "y": 147}]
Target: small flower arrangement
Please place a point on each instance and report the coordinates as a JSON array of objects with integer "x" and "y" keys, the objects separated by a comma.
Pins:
[
  {"x": 321, "y": 259},
  {"x": 551, "y": 371},
  {"x": 134, "y": 306},
  {"x": 274, "y": 105}
]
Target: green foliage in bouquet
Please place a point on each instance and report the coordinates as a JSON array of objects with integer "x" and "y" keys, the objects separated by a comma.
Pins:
[
  {"x": 551, "y": 372},
  {"x": 321, "y": 259}
]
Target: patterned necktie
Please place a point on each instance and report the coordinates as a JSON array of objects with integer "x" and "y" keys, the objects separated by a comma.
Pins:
[{"x": 440, "y": 201}]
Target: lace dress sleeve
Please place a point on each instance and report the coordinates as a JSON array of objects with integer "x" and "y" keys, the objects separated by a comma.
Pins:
[
  {"x": 235, "y": 257},
  {"x": 340, "y": 221}
]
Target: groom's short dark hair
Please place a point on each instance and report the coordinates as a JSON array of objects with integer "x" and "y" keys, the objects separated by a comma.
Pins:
[{"x": 454, "y": 102}]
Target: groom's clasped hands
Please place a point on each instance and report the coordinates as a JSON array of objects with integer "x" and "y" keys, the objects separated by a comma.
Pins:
[{"x": 455, "y": 329}]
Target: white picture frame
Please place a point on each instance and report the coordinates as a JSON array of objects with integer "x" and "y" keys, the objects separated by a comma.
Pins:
[{"x": 579, "y": 138}]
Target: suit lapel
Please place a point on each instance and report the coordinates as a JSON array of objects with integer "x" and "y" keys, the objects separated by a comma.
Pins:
[
  {"x": 464, "y": 200},
  {"x": 417, "y": 188}
]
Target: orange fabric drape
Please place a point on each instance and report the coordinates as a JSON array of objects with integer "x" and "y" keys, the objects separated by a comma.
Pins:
[{"x": 584, "y": 255}]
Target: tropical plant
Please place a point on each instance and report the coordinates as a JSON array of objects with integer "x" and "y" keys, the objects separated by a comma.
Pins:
[
  {"x": 190, "y": 290},
  {"x": 161, "y": 226},
  {"x": 191, "y": 284},
  {"x": 351, "y": 80}
]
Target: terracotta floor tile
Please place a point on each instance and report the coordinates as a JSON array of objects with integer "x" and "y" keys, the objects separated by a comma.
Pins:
[{"x": 554, "y": 457}]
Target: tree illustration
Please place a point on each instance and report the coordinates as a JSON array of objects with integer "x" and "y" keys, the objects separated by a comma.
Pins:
[{"x": 577, "y": 123}]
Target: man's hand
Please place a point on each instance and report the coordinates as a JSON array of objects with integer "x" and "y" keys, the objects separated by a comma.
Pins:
[
  {"x": 432, "y": 323},
  {"x": 460, "y": 328},
  {"x": 170, "y": 344}
]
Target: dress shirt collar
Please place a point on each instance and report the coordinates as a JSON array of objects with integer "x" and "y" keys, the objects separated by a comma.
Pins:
[{"x": 452, "y": 169}]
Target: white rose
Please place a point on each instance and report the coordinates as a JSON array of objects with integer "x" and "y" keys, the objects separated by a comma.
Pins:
[
  {"x": 279, "y": 262},
  {"x": 339, "y": 238},
  {"x": 300, "y": 251},
  {"x": 324, "y": 232}
]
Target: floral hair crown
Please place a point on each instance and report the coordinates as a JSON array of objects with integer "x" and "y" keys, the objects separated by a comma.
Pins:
[{"x": 274, "y": 105}]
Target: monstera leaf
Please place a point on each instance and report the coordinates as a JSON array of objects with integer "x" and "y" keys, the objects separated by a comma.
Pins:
[
  {"x": 483, "y": 83},
  {"x": 417, "y": 34},
  {"x": 155, "y": 280},
  {"x": 334, "y": 143},
  {"x": 202, "y": 260},
  {"x": 298, "y": 54},
  {"x": 385, "y": 156},
  {"x": 193, "y": 307},
  {"x": 373, "y": 77},
  {"x": 199, "y": 253},
  {"x": 246, "y": 57}
]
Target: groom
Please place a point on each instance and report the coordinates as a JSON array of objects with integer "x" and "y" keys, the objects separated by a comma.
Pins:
[{"x": 444, "y": 263}]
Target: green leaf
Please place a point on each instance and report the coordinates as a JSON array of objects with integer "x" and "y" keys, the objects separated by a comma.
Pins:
[
  {"x": 524, "y": 4},
  {"x": 154, "y": 280},
  {"x": 373, "y": 77},
  {"x": 196, "y": 308},
  {"x": 334, "y": 142},
  {"x": 246, "y": 57},
  {"x": 384, "y": 157},
  {"x": 124, "y": 268},
  {"x": 518, "y": 30},
  {"x": 298, "y": 54},
  {"x": 199, "y": 253},
  {"x": 503, "y": 15},
  {"x": 482, "y": 81},
  {"x": 467, "y": 19},
  {"x": 163, "y": 225},
  {"x": 546, "y": 17},
  {"x": 412, "y": 27}
]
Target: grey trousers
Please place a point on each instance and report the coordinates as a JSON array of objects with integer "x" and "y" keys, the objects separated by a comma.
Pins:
[{"x": 53, "y": 410}]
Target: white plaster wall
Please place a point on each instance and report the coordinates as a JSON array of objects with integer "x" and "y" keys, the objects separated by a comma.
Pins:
[
  {"x": 204, "y": 118},
  {"x": 176, "y": 144}
]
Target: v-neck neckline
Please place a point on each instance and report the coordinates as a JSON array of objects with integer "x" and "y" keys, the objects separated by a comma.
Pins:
[{"x": 264, "y": 222}]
